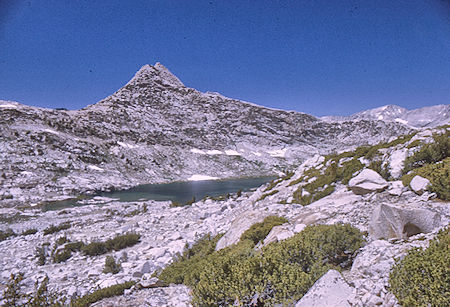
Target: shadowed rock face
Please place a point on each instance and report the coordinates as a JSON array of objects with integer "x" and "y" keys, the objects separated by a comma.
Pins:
[
  {"x": 390, "y": 221},
  {"x": 155, "y": 129}
]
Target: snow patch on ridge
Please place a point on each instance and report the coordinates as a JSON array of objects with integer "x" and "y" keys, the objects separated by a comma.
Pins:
[
  {"x": 9, "y": 106},
  {"x": 198, "y": 151},
  {"x": 280, "y": 153},
  {"x": 401, "y": 121},
  {"x": 126, "y": 145},
  {"x": 214, "y": 152},
  {"x": 232, "y": 153}
]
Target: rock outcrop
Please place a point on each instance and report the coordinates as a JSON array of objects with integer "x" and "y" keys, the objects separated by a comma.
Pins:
[
  {"x": 368, "y": 181},
  {"x": 389, "y": 221},
  {"x": 330, "y": 290},
  {"x": 419, "y": 184}
]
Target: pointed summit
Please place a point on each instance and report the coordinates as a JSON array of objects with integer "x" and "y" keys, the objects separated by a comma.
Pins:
[{"x": 159, "y": 73}]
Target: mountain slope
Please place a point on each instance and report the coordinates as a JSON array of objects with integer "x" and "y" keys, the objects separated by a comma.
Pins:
[
  {"x": 155, "y": 129},
  {"x": 424, "y": 117}
]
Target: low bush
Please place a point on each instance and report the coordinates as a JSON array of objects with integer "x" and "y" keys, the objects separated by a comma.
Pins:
[
  {"x": 438, "y": 174},
  {"x": 257, "y": 232},
  {"x": 280, "y": 273},
  {"x": 111, "y": 266},
  {"x": 61, "y": 255},
  {"x": 100, "y": 294},
  {"x": 186, "y": 265},
  {"x": 117, "y": 243},
  {"x": 31, "y": 231},
  {"x": 434, "y": 152},
  {"x": 273, "y": 192},
  {"x": 15, "y": 296},
  {"x": 422, "y": 277},
  {"x": 53, "y": 229},
  {"x": 6, "y": 234}
]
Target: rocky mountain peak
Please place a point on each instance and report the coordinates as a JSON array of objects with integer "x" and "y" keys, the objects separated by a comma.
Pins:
[{"x": 159, "y": 74}]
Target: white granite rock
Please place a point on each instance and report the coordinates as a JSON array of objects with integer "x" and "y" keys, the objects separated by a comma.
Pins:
[
  {"x": 330, "y": 290},
  {"x": 368, "y": 181}
]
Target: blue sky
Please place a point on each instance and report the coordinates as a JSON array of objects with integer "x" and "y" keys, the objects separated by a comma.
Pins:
[{"x": 320, "y": 57}]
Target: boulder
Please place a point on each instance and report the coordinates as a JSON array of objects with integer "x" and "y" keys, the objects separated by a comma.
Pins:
[
  {"x": 279, "y": 233},
  {"x": 419, "y": 184},
  {"x": 389, "y": 221},
  {"x": 239, "y": 226},
  {"x": 330, "y": 290},
  {"x": 367, "y": 181}
]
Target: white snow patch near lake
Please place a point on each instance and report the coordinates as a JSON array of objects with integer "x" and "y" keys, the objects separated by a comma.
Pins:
[
  {"x": 126, "y": 145},
  {"x": 198, "y": 151},
  {"x": 51, "y": 131},
  {"x": 280, "y": 153},
  {"x": 401, "y": 121},
  {"x": 232, "y": 153},
  {"x": 95, "y": 168},
  {"x": 10, "y": 106},
  {"x": 197, "y": 177},
  {"x": 214, "y": 152}
]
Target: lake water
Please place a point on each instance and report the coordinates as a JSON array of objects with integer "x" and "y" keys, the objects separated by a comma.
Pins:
[{"x": 180, "y": 192}]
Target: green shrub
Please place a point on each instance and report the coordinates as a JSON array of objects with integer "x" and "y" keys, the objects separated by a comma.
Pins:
[
  {"x": 434, "y": 152},
  {"x": 6, "y": 234},
  {"x": 74, "y": 246},
  {"x": 52, "y": 228},
  {"x": 438, "y": 174},
  {"x": 280, "y": 273},
  {"x": 95, "y": 248},
  {"x": 61, "y": 241},
  {"x": 111, "y": 266},
  {"x": 273, "y": 192},
  {"x": 40, "y": 255},
  {"x": 381, "y": 169},
  {"x": 123, "y": 241},
  {"x": 61, "y": 255},
  {"x": 117, "y": 243},
  {"x": 257, "y": 232},
  {"x": 31, "y": 231},
  {"x": 182, "y": 269},
  {"x": 42, "y": 297},
  {"x": 422, "y": 278},
  {"x": 100, "y": 294}
]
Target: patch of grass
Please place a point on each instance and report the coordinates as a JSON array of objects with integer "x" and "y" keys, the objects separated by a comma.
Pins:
[
  {"x": 422, "y": 277},
  {"x": 61, "y": 255},
  {"x": 53, "y": 229}
]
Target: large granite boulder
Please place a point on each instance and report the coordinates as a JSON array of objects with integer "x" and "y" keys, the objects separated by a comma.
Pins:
[
  {"x": 330, "y": 290},
  {"x": 419, "y": 184},
  {"x": 389, "y": 221},
  {"x": 279, "y": 233},
  {"x": 239, "y": 226},
  {"x": 368, "y": 181}
]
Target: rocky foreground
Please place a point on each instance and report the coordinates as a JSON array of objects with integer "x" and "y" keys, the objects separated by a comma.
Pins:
[{"x": 395, "y": 217}]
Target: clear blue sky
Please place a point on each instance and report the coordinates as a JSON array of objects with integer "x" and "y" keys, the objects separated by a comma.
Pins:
[{"x": 323, "y": 57}]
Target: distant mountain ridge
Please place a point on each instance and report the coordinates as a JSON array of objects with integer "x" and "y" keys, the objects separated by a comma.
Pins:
[
  {"x": 155, "y": 129},
  {"x": 432, "y": 116}
]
